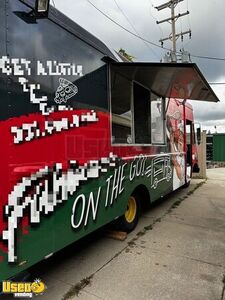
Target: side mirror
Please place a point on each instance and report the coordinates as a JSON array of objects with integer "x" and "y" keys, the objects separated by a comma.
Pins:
[{"x": 199, "y": 135}]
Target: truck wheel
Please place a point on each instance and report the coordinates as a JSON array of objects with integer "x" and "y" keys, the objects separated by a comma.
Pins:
[
  {"x": 186, "y": 185},
  {"x": 129, "y": 220}
]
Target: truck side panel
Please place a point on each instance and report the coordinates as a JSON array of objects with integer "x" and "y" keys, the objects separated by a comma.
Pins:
[
  {"x": 34, "y": 53},
  {"x": 61, "y": 177}
]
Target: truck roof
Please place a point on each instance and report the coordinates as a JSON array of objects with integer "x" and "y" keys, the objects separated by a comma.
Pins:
[{"x": 62, "y": 20}]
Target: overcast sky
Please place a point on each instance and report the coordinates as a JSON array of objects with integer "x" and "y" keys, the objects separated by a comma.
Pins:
[{"x": 206, "y": 20}]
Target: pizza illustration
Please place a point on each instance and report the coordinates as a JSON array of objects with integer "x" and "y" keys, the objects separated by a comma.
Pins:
[{"x": 65, "y": 91}]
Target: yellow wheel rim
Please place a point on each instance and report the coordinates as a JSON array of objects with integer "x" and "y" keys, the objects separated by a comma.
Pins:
[{"x": 131, "y": 210}]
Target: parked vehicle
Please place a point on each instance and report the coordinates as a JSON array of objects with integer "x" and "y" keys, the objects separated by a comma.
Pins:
[{"x": 85, "y": 139}]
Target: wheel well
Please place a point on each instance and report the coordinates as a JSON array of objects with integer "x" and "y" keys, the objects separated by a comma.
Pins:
[{"x": 143, "y": 193}]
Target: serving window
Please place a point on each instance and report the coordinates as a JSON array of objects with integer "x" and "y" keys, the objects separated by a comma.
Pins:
[
  {"x": 137, "y": 113},
  {"x": 157, "y": 119},
  {"x": 141, "y": 114},
  {"x": 138, "y": 93},
  {"x": 121, "y": 110}
]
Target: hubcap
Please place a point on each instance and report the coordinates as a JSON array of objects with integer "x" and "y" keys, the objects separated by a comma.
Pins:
[{"x": 131, "y": 210}]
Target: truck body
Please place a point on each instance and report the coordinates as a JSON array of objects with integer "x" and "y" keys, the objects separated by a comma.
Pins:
[{"x": 81, "y": 132}]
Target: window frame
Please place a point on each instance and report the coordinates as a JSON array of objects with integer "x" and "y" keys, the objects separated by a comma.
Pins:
[
  {"x": 133, "y": 144},
  {"x": 164, "y": 121},
  {"x": 132, "y": 112}
]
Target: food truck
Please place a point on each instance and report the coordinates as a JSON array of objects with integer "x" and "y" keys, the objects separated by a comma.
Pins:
[{"x": 85, "y": 138}]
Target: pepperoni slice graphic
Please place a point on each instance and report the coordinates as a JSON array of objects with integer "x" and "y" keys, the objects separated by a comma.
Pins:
[{"x": 65, "y": 91}]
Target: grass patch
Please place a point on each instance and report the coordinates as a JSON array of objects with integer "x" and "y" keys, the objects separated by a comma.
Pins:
[
  {"x": 75, "y": 290},
  {"x": 178, "y": 202},
  {"x": 223, "y": 281},
  {"x": 223, "y": 290},
  {"x": 149, "y": 227},
  {"x": 140, "y": 233},
  {"x": 175, "y": 204},
  {"x": 157, "y": 220},
  {"x": 169, "y": 210},
  {"x": 131, "y": 243}
]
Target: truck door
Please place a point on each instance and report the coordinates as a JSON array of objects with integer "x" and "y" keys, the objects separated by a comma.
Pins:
[{"x": 189, "y": 142}]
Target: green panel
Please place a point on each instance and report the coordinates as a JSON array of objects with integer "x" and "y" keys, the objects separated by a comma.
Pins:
[
  {"x": 98, "y": 201},
  {"x": 219, "y": 147}
]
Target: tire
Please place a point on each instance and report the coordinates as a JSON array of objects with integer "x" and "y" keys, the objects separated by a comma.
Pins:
[
  {"x": 186, "y": 185},
  {"x": 196, "y": 168},
  {"x": 129, "y": 220}
]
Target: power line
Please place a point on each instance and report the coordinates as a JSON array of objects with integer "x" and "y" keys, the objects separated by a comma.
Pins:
[
  {"x": 189, "y": 26},
  {"x": 208, "y": 57},
  {"x": 147, "y": 41},
  {"x": 181, "y": 27},
  {"x": 131, "y": 24},
  {"x": 172, "y": 20},
  {"x": 151, "y": 14},
  {"x": 215, "y": 83},
  {"x": 124, "y": 28},
  {"x": 189, "y": 19}
]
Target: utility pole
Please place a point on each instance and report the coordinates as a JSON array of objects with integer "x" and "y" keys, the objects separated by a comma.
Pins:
[
  {"x": 172, "y": 7},
  {"x": 173, "y": 36}
]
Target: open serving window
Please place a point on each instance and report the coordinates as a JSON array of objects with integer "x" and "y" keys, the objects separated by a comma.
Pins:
[{"x": 138, "y": 93}]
